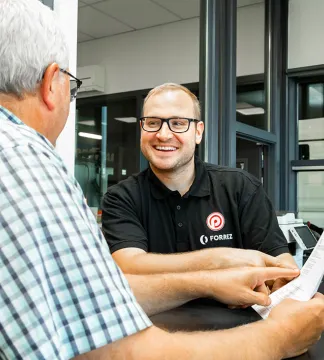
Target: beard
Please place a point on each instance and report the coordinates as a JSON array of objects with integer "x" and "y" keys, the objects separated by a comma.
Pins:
[{"x": 169, "y": 165}]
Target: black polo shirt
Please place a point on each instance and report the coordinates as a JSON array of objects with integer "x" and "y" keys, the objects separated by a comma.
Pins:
[{"x": 223, "y": 208}]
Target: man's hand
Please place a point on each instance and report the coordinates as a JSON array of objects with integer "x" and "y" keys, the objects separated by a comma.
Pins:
[
  {"x": 301, "y": 323},
  {"x": 243, "y": 286},
  {"x": 230, "y": 258},
  {"x": 286, "y": 260}
]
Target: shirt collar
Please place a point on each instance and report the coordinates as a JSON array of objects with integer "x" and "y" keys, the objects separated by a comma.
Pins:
[
  {"x": 6, "y": 115},
  {"x": 199, "y": 188}
]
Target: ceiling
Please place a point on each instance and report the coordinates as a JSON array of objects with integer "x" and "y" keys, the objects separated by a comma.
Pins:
[{"x": 98, "y": 19}]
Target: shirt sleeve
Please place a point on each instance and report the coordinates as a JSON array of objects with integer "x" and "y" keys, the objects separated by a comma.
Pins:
[
  {"x": 260, "y": 229},
  {"x": 121, "y": 224},
  {"x": 61, "y": 293}
]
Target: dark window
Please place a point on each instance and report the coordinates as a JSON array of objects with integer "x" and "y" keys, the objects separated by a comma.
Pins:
[
  {"x": 250, "y": 102},
  {"x": 114, "y": 139},
  {"x": 310, "y": 184},
  {"x": 311, "y": 122},
  {"x": 250, "y": 107}
]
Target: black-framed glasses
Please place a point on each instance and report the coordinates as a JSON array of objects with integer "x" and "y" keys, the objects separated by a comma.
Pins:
[
  {"x": 75, "y": 85},
  {"x": 175, "y": 124}
]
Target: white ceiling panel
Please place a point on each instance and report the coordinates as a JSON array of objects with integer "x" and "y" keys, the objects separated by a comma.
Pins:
[
  {"x": 183, "y": 8},
  {"x": 97, "y": 24},
  {"x": 241, "y": 3},
  {"x": 138, "y": 14},
  {"x": 83, "y": 37}
]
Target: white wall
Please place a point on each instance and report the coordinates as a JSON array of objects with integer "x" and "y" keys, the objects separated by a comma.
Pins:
[
  {"x": 67, "y": 12},
  {"x": 250, "y": 39},
  {"x": 170, "y": 52},
  {"x": 146, "y": 58},
  {"x": 149, "y": 57},
  {"x": 306, "y": 30}
]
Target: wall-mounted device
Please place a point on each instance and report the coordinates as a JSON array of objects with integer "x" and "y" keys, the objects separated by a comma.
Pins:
[
  {"x": 93, "y": 80},
  {"x": 304, "y": 237},
  {"x": 299, "y": 237}
]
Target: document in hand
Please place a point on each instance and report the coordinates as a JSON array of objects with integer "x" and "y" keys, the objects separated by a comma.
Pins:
[{"x": 302, "y": 288}]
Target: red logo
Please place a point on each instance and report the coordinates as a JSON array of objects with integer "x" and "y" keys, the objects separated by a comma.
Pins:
[{"x": 215, "y": 221}]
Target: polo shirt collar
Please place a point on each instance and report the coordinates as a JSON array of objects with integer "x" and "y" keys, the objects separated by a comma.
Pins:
[{"x": 199, "y": 188}]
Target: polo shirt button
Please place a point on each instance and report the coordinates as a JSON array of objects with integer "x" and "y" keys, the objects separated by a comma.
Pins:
[
  {"x": 178, "y": 207},
  {"x": 180, "y": 224}
]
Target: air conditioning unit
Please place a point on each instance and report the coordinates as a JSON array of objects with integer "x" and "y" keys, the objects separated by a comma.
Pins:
[{"x": 93, "y": 79}]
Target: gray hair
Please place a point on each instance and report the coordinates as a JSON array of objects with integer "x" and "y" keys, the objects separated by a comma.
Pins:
[{"x": 30, "y": 40}]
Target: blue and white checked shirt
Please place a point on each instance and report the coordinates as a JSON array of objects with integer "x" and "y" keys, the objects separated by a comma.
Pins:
[{"x": 61, "y": 294}]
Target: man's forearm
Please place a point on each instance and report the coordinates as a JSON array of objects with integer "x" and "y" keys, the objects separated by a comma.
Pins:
[
  {"x": 157, "y": 344},
  {"x": 232, "y": 344},
  {"x": 162, "y": 292},
  {"x": 149, "y": 263}
]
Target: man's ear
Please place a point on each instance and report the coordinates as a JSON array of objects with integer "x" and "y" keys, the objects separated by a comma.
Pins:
[
  {"x": 199, "y": 132},
  {"x": 49, "y": 85}
]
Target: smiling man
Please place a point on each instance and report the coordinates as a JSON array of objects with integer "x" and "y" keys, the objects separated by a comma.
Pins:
[{"x": 182, "y": 214}]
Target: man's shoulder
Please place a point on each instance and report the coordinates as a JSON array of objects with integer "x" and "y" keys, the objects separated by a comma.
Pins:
[
  {"x": 129, "y": 187},
  {"x": 230, "y": 175},
  {"x": 20, "y": 136},
  {"x": 10, "y": 135}
]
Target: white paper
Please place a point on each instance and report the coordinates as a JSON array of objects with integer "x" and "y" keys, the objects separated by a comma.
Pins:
[{"x": 302, "y": 288}]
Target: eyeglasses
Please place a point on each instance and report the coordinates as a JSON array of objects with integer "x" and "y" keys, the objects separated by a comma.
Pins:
[
  {"x": 175, "y": 124},
  {"x": 75, "y": 85}
]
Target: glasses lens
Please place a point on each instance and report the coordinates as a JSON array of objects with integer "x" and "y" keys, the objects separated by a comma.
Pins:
[
  {"x": 179, "y": 125},
  {"x": 151, "y": 124}
]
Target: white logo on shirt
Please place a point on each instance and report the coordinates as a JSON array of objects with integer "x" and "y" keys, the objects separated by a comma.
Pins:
[{"x": 204, "y": 239}]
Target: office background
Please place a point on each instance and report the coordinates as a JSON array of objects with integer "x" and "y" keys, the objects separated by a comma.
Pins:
[{"x": 142, "y": 43}]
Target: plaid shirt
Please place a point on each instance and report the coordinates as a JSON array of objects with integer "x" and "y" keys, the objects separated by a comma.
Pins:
[{"x": 61, "y": 294}]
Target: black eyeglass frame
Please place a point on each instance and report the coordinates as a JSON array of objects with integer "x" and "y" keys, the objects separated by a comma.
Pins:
[
  {"x": 163, "y": 120},
  {"x": 78, "y": 83}
]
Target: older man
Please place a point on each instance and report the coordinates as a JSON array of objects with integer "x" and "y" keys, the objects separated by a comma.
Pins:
[{"x": 61, "y": 294}]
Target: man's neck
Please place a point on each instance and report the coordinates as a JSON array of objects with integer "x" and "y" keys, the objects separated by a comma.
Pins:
[
  {"x": 24, "y": 108},
  {"x": 27, "y": 110},
  {"x": 177, "y": 180}
]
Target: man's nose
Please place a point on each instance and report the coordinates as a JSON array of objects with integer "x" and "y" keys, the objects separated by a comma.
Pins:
[{"x": 164, "y": 133}]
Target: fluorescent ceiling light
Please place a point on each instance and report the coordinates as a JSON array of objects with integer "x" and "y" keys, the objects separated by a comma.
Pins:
[
  {"x": 127, "y": 119},
  {"x": 251, "y": 111},
  {"x": 90, "y": 136},
  {"x": 87, "y": 122},
  {"x": 248, "y": 109}
]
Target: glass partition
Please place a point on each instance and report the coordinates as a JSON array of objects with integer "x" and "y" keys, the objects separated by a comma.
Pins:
[
  {"x": 107, "y": 148},
  {"x": 310, "y": 197},
  {"x": 310, "y": 178},
  {"x": 311, "y": 122},
  {"x": 250, "y": 107}
]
